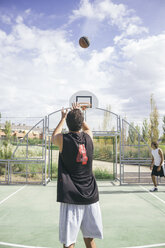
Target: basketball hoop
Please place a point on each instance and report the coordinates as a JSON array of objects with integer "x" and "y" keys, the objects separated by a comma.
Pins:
[
  {"x": 85, "y": 99},
  {"x": 84, "y": 105}
]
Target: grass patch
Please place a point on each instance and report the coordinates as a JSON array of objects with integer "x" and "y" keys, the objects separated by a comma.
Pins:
[
  {"x": 54, "y": 170},
  {"x": 103, "y": 152},
  {"x": 99, "y": 173},
  {"x": 103, "y": 174},
  {"x": 53, "y": 147}
]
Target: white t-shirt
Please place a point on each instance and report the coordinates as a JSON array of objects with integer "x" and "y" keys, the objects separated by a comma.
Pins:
[{"x": 157, "y": 157}]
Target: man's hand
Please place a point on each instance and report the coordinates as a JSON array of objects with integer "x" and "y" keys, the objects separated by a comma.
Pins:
[
  {"x": 64, "y": 113},
  {"x": 159, "y": 168},
  {"x": 151, "y": 167},
  {"x": 76, "y": 105}
]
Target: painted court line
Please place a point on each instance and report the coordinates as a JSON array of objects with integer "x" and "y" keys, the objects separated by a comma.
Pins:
[
  {"x": 153, "y": 194},
  {"x": 12, "y": 195},
  {"x": 148, "y": 246},
  {"x": 22, "y": 246}
]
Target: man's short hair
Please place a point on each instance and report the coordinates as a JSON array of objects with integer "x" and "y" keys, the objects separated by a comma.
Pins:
[
  {"x": 74, "y": 120},
  {"x": 155, "y": 144}
]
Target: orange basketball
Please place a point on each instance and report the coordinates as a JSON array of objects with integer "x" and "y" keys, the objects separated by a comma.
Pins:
[{"x": 84, "y": 42}]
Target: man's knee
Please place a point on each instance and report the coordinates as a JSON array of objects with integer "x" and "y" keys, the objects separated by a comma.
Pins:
[
  {"x": 89, "y": 239},
  {"x": 89, "y": 242}
]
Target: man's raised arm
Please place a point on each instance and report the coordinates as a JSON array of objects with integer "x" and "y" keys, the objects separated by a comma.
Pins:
[
  {"x": 86, "y": 129},
  {"x": 57, "y": 133}
]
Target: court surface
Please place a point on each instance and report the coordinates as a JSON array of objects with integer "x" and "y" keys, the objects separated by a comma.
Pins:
[{"x": 132, "y": 216}]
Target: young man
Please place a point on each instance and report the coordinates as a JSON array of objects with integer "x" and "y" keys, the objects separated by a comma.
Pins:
[
  {"x": 76, "y": 188},
  {"x": 157, "y": 166}
]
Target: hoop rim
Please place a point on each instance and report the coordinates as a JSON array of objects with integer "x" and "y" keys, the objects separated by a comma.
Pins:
[{"x": 85, "y": 104}]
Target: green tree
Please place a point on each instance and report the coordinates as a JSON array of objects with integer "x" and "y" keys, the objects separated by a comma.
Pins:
[
  {"x": 131, "y": 133},
  {"x": 145, "y": 130},
  {"x": 107, "y": 119},
  {"x": 138, "y": 133},
  {"x": 6, "y": 152},
  {"x": 163, "y": 126},
  {"x": 154, "y": 121},
  {"x": 0, "y": 119},
  {"x": 7, "y": 131},
  {"x": 124, "y": 131}
]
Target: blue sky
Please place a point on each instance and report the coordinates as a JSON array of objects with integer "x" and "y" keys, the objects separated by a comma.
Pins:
[{"x": 42, "y": 64}]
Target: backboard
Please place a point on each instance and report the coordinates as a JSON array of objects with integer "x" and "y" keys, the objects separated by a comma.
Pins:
[{"x": 84, "y": 97}]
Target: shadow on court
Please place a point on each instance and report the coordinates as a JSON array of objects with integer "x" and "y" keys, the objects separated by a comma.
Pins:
[
  {"x": 128, "y": 192},
  {"x": 123, "y": 192}
]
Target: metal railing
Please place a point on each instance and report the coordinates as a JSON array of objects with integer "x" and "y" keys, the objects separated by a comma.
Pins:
[{"x": 37, "y": 169}]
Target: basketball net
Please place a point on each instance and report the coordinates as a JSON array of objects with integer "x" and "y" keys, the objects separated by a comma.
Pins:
[{"x": 84, "y": 105}]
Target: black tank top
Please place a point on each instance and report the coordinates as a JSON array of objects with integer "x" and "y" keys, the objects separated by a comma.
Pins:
[{"x": 76, "y": 182}]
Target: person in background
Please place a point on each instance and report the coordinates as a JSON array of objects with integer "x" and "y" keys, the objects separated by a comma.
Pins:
[{"x": 157, "y": 165}]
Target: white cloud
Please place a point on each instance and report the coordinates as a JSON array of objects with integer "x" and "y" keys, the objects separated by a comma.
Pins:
[
  {"x": 19, "y": 19},
  {"x": 85, "y": 10},
  {"x": 115, "y": 14},
  {"x": 140, "y": 72},
  {"x": 5, "y": 19},
  {"x": 28, "y": 11},
  {"x": 45, "y": 69},
  {"x": 41, "y": 69}
]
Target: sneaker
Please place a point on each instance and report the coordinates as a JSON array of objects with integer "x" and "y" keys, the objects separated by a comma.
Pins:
[{"x": 154, "y": 189}]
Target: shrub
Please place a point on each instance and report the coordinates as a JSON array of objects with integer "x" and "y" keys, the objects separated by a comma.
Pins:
[
  {"x": 103, "y": 174},
  {"x": 54, "y": 170},
  {"x": 103, "y": 152},
  {"x": 5, "y": 152}
]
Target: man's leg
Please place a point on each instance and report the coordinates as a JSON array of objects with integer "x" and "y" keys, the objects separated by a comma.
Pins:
[
  {"x": 155, "y": 184},
  {"x": 69, "y": 224},
  {"x": 154, "y": 181},
  {"x": 90, "y": 243}
]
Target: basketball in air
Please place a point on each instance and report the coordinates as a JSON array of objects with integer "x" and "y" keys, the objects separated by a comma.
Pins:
[{"x": 84, "y": 42}]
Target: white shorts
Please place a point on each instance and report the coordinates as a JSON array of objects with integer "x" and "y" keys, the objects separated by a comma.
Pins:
[{"x": 75, "y": 217}]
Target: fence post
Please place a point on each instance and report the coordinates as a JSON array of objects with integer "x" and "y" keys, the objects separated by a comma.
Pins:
[
  {"x": 27, "y": 146},
  {"x": 8, "y": 165},
  {"x": 45, "y": 150},
  {"x": 139, "y": 157},
  {"x": 120, "y": 147},
  {"x": 116, "y": 155},
  {"x": 51, "y": 160}
]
